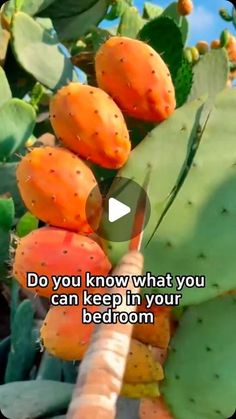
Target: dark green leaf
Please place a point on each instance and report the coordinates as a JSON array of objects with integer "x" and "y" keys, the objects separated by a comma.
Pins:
[
  {"x": 38, "y": 52},
  {"x": 165, "y": 37},
  {"x": 4, "y": 87},
  {"x": 183, "y": 82},
  {"x": 26, "y": 224},
  {"x": 131, "y": 22},
  {"x": 181, "y": 21},
  {"x": 151, "y": 11},
  {"x": 8, "y": 184},
  {"x": 7, "y": 213},
  {"x": 14, "y": 135},
  {"x": 23, "y": 348},
  {"x": 33, "y": 399}
]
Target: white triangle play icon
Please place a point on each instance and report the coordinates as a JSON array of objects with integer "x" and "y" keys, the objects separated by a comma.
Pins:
[{"x": 117, "y": 210}]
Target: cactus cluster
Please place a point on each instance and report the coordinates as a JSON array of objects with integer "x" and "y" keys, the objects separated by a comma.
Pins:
[{"x": 59, "y": 188}]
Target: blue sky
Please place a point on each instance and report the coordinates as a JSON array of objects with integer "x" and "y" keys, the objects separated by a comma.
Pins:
[{"x": 205, "y": 22}]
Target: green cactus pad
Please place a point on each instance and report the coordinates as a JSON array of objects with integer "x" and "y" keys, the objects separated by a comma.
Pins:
[
  {"x": 151, "y": 11},
  {"x": 38, "y": 52},
  {"x": 4, "y": 255},
  {"x": 31, "y": 7},
  {"x": 98, "y": 37},
  {"x": 20, "y": 81},
  {"x": 13, "y": 136},
  {"x": 70, "y": 371},
  {"x": 50, "y": 368},
  {"x": 197, "y": 235},
  {"x": 74, "y": 18},
  {"x": 8, "y": 185},
  {"x": 206, "y": 80},
  {"x": 131, "y": 22},
  {"x": 7, "y": 213},
  {"x": 234, "y": 17},
  {"x": 169, "y": 46},
  {"x": 117, "y": 9},
  {"x": 166, "y": 149},
  {"x": 34, "y": 399},
  {"x": 15, "y": 300},
  {"x": 4, "y": 41},
  {"x": 4, "y": 87},
  {"x": 225, "y": 15},
  {"x": 27, "y": 223},
  {"x": 200, "y": 368},
  {"x": 181, "y": 21},
  {"x": 58, "y": 9},
  {"x": 4, "y": 351},
  {"x": 23, "y": 348},
  {"x": 183, "y": 82}
]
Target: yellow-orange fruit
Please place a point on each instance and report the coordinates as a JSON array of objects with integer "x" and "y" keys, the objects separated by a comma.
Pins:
[
  {"x": 141, "y": 366},
  {"x": 64, "y": 334},
  {"x": 58, "y": 188},
  {"x": 90, "y": 123},
  {"x": 137, "y": 78},
  {"x": 195, "y": 54},
  {"x": 215, "y": 44},
  {"x": 184, "y": 7},
  {"x": 203, "y": 47},
  {"x": 52, "y": 251},
  {"x": 231, "y": 49},
  {"x": 155, "y": 334},
  {"x": 136, "y": 391}
]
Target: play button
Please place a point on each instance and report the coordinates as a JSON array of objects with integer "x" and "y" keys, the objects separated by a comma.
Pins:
[
  {"x": 121, "y": 199},
  {"x": 117, "y": 210}
]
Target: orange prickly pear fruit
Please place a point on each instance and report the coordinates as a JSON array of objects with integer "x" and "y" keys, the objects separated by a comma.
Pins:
[
  {"x": 184, "y": 7},
  {"x": 64, "y": 334},
  {"x": 52, "y": 251},
  {"x": 203, "y": 47},
  {"x": 90, "y": 123},
  {"x": 215, "y": 44},
  {"x": 155, "y": 334},
  {"x": 231, "y": 48},
  {"x": 58, "y": 188},
  {"x": 144, "y": 91},
  {"x": 153, "y": 409},
  {"x": 141, "y": 366}
]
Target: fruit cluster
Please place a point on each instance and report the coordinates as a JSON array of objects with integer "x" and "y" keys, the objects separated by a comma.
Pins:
[
  {"x": 58, "y": 186},
  {"x": 227, "y": 41}
]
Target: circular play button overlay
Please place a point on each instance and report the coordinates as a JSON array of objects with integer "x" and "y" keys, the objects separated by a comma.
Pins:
[{"x": 123, "y": 201}]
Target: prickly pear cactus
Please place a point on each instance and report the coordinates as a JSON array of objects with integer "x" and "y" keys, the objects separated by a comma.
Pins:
[
  {"x": 202, "y": 241},
  {"x": 81, "y": 102},
  {"x": 175, "y": 137},
  {"x": 200, "y": 366}
]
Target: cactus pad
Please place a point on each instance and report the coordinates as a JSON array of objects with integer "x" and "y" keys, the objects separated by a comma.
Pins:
[{"x": 200, "y": 368}]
